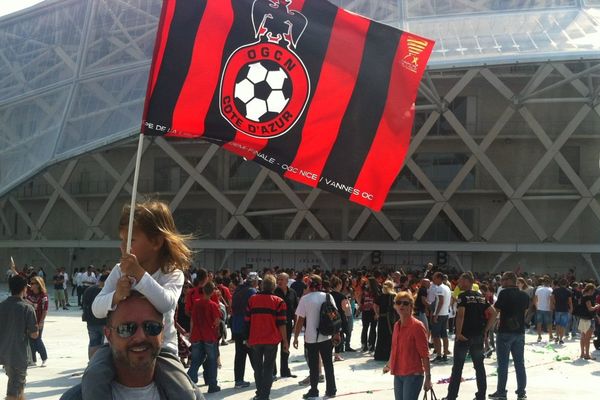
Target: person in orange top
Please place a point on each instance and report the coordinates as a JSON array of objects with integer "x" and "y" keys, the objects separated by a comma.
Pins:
[{"x": 409, "y": 359}]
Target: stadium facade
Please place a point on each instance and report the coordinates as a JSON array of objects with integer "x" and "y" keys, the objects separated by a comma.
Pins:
[{"x": 503, "y": 169}]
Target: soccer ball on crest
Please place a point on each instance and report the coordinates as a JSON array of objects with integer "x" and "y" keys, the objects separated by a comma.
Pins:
[{"x": 262, "y": 90}]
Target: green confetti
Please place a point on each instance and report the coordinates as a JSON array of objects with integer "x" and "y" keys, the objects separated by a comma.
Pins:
[{"x": 563, "y": 358}]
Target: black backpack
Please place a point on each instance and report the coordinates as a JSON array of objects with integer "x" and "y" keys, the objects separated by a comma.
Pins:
[{"x": 330, "y": 321}]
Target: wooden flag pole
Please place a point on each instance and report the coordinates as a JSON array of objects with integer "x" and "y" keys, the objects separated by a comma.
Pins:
[{"x": 136, "y": 176}]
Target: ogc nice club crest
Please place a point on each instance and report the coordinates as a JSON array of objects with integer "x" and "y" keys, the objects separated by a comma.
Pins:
[{"x": 265, "y": 85}]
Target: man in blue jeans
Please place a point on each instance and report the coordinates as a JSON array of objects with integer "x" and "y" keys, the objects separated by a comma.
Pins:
[
  {"x": 512, "y": 304},
  {"x": 474, "y": 318}
]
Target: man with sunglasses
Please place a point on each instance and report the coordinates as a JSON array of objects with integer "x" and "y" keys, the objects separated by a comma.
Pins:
[{"x": 134, "y": 331}]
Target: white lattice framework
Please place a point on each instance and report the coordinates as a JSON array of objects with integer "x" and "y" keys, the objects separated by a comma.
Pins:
[{"x": 69, "y": 89}]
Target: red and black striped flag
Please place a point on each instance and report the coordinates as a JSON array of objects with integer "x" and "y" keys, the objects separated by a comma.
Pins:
[{"x": 320, "y": 95}]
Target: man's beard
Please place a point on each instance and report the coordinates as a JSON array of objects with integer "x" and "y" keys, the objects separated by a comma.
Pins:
[{"x": 126, "y": 358}]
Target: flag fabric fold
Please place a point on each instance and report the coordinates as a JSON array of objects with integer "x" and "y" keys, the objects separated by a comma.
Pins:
[{"x": 313, "y": 92}]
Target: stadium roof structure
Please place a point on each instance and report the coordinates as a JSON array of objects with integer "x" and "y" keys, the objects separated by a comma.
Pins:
[{"x": 73, "y": 73}]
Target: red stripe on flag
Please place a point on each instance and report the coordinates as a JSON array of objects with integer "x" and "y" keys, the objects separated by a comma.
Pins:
[
  {"x": 163, "y": 31},
  {"x": 337, "y": 81},
  {"x": 297, "y": 5},
  {"x": 389, "y": 147},
  {"x": 204, "y": 72},
  {"x": 245, "y": 146}
]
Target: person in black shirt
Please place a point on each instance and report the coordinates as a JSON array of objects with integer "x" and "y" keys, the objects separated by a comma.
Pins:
[
  {"x": 474, "y": 318},
  {"x": 562, "y": 304},
  {"x": 386, "y": 317},
  {"x": 291, "y": 301},
  {"x": 421, "y": 303},
  {"x": 576, "y": 290},
  {"x": 587, "y": 312},
  {"x": 341, "y": 302},
  {"x": 95, "y": 326},
  {"x": 512, "y": 304},
  {"x": 59, "y": 291},
  {"x": 298, "y": 285}
]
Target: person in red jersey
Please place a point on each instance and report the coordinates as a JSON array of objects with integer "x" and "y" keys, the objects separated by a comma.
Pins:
[
  {"x": 267, "y": 318},
  {"x": 205, "y": 323}
]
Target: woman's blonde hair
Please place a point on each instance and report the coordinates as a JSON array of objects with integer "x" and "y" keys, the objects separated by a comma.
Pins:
[
  {"x": 590, "y": 287},
  {"x": 155, "y": 219},
  {"x": 40, "y": 283},
  {"x": 388, "y": 287}
]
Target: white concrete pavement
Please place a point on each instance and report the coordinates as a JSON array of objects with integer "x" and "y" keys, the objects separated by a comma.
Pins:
[{"x": 358, "y": 377}]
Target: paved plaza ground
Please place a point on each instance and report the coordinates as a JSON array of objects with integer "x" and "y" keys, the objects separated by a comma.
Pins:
[{"x": 553, "y": 372}]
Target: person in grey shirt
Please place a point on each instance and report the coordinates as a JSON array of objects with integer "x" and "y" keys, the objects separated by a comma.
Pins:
[
  {"x": 14, "y": 336},
  {"x": 140, "y": 370}
]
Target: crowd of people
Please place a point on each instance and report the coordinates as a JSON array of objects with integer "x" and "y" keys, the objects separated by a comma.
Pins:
[{"x": 186, "y": 315}]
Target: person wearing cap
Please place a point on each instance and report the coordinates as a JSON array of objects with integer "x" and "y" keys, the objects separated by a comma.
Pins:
[
  {"x": 14, "y": 336},
  {"x": 95, "y": 326},
  {"x": 239, "y": 303}
]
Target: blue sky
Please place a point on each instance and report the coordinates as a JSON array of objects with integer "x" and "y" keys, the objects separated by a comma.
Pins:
[{"x": 10, "y": 6}]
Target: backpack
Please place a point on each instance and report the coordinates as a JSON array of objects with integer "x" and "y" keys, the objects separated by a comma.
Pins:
[{"x": 330, "y": 321}]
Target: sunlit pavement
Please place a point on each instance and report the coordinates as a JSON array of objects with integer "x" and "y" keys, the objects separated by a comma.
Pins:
[{"x": 553, "y": 372}]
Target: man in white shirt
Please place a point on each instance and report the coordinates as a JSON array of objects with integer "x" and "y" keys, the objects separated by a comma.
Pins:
[
  {"x": 439, "y": 318},
  {"x": 65, "y": 285},
  {"x": 88, "y": 278},
  {"x": 84, "y": 280},
  {"x": 543, "y": 304},
  {"x": 315, "y": 344}
]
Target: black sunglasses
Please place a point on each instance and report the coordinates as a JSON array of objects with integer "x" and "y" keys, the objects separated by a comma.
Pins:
[
  {"x": 128, "y": 329},
  {"x": 403, "y": 303}
]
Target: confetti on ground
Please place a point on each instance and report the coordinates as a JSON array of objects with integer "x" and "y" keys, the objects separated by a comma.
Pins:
[{"x": 563, "y": 358}]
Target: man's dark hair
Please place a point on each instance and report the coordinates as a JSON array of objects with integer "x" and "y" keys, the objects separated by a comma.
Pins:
[
  {"x": 562, "y": 282},
  {"x": 208, "y": 289},
  {"x": 201, "y": 274},
  {"x": 16, "y": 284},
  {"x": 510, "y": 276}
]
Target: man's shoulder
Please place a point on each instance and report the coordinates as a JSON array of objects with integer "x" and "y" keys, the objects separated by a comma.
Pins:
[
  {"x": 19, "y": 303},
  {"x": 315, "y": 298},
  {"x": 474, "y": 297},
  {"x": 444, "y": 290},
  {"x": 92, "y": 290},
  {"x": 73, "y": 394}
]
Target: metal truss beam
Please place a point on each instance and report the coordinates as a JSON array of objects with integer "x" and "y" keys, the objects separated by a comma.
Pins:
[
  {"x": 322, "y": 245},
  {"x": 208, "y": 186}
]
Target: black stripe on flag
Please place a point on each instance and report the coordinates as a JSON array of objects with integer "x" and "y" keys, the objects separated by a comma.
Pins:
[
  {"x": 175, "y": 62},
  {"x": 364, "y": 112},
  {"x": 218, "y": 130},
  {"x": 312, "y": 49}
]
